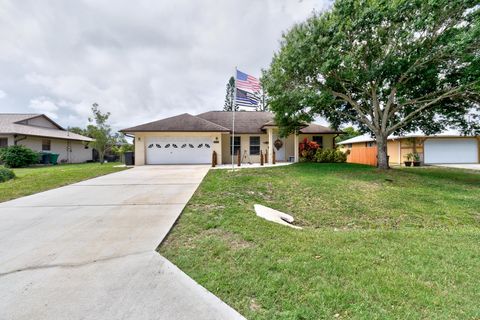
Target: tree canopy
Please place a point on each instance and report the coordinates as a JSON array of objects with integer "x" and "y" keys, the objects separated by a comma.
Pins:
[
  {"x": 262, "y": 101},
  {"x": 387, "y": 67},
  {"x": 348, "y": 133},
  {"x": 230, "y": 95}
]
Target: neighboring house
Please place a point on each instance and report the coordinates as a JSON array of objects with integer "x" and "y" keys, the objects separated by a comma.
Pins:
[
  {"x": 185, "y": 138},
  {"x": 40, "y": 133},
  {"x": 448, "y": 147}
]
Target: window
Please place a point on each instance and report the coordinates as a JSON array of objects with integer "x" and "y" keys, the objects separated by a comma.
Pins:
[
  {"x": 236, "y": 145},
  {"x": 254, "y": 146},
  {"x": 370, "y": 144},
  {"x": 46, "y": 144},
  {"x": 349, "y": 145},
  {"x": 3, "y": 142},
  {"x": 318, "y": 139}
]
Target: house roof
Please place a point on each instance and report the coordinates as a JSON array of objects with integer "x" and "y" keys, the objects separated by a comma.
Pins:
[
  {"x": 316, "y": 128},
  {"x": 11, "y": 123},
  {"x": 182, "y": 123},
  {"x": 357, "y": 139},
  {"x": 368, "y": 137},
  {"x": 245, "y": 121},
  {"x": 215, "y": 121}
]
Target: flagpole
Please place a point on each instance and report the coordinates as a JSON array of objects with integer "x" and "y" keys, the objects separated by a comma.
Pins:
[{"x": 233, "y": 117}]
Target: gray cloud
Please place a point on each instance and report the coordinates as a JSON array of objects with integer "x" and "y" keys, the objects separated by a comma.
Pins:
[{"x": 140, "y": 60}]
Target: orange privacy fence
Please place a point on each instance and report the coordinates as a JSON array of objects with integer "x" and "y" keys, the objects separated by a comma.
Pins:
[{"x": 363, "y": 155}]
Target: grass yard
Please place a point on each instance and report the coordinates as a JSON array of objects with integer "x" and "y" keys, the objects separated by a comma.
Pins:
[
  {"x": 37, "y": 179},
  {"x": 402, "y": 244}
]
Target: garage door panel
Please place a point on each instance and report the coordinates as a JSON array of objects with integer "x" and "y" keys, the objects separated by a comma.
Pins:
[
  {"x": 451, "y": 151},
  {"x": 178, "y": 150}
]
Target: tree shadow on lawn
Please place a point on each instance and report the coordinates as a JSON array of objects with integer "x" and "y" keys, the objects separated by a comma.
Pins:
[{"x": 366, "y": 173}]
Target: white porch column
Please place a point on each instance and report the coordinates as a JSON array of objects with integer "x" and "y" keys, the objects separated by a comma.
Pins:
[
  {"x": 295, "y": 146},
  {"x": 270, "y": 145}
]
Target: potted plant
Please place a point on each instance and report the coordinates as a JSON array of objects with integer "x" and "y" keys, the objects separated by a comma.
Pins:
[
  {"x": 416, "y": 160},
  {"x": 409, "y": 157}
]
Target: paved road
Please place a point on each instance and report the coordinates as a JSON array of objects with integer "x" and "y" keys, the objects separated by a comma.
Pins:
[{"x": 87, "y": 251}]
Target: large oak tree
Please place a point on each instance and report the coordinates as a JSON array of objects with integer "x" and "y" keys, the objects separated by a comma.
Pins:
[{"x": 386, "y": 66}]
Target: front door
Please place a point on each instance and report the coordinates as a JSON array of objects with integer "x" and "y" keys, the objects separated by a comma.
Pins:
[{"x": 279, "y": 147}]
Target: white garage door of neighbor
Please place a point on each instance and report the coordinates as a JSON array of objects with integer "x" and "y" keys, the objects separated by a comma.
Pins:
[
  {"x": 451, "y": 151},
  {"x": 178, "y": 150}
]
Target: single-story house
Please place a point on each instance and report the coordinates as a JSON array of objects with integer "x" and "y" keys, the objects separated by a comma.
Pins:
[
  {"x": 40, "y": 133},
  {"x": 185, "y": 138},
  {"x": 447, "y": 147}
]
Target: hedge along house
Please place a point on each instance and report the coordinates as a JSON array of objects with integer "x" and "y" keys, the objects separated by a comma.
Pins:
[
  {"x": 448, "y": 148},
  {"x": 40, "y": 133},
  {"x": 188, "y": 139}
]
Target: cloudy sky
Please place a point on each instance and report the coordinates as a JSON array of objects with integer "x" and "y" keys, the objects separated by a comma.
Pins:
[{"x": 140, "y": 60}]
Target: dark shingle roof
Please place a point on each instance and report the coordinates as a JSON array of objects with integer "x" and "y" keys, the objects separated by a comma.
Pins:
[
  {"x": 316, "y": 128},
  {"x": 220, "y": 121},
  {"x": 245, "y": 121},
  {"x": 181, "y": 123}
]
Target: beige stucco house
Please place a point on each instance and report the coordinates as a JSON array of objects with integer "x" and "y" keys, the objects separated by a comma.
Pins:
[
  {"x": 40, "y": 133},
  {"x": 448, "y": 147},
  {"x": 186, "y": 138}
]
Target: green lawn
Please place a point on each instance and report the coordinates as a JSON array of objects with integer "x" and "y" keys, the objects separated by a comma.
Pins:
[
  {"x": 37, "y": 179},
  {"x": 402, "y": 244}
]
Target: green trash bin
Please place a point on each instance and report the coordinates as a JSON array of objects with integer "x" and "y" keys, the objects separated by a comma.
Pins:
[
  {"x": 54, "y": 158},
  {"x": 44, "y": 158}
]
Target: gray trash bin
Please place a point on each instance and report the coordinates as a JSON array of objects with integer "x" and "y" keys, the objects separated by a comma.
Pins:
[{"x": 129, "y": 158}]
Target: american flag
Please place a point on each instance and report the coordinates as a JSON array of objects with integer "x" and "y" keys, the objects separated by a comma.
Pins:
[
  {"x": 247, "y": 82},
  {"x": 246, "y": 99}
]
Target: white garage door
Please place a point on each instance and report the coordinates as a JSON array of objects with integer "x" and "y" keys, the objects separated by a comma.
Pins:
[
  {"x": 178, "y": 150},
  {"x": 451, "y": 151}
]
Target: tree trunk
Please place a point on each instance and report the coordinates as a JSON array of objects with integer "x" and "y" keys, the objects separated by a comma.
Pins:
[{"x": 382, "y": 157}]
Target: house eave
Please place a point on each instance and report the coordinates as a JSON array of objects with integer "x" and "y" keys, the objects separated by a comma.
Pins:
[
  {"x": 45, "y": 136},
  {"x": 203, "y": 131}
]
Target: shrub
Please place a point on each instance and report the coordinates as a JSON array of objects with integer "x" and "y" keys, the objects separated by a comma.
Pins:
[
  {"x": 18, "y": 156},
  {"x": 6, "y": 174},
  {"x": 308, "y": 150},
  {"x": 330, "y": 155},
  {"x": 340, "y": 156},
  {"x": 320, "y": 155}
]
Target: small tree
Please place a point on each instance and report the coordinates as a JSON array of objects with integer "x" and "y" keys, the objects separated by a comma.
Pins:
[
  {"x": 100, "y": 131},
  {"x": 387, "y": 67},
  {"x": 121, "y": 144},
  {"x": 230, "y": 96}
]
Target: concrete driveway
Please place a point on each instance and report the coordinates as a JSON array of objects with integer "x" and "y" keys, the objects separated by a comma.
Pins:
[
  {"x": 87, "y": 251},
  {"x": 471, "y": 166}
]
